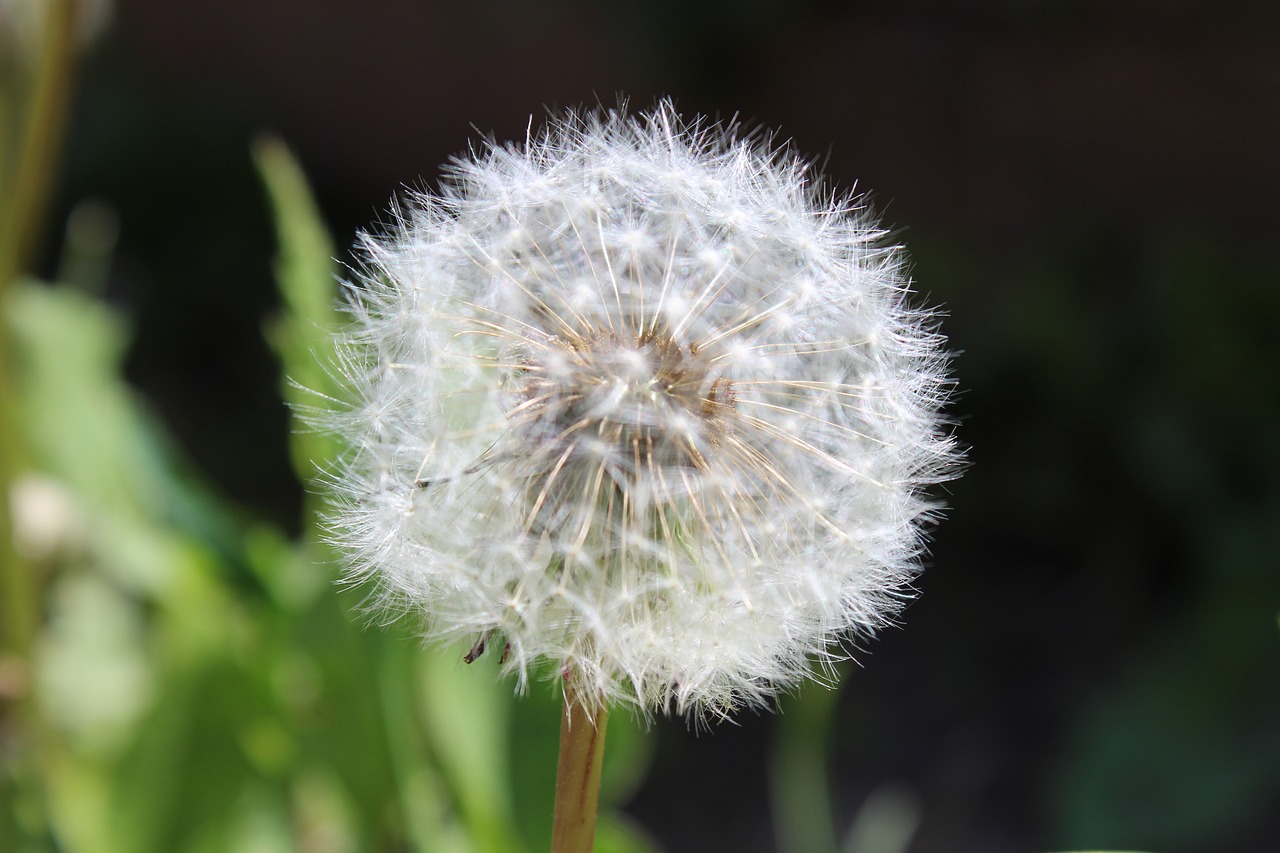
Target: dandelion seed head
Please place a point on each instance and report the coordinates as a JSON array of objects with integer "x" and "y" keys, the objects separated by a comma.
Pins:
[{"x": 638, "y": 397}]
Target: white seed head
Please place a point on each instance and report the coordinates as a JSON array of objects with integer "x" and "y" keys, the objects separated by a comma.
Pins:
[{"x": 636, "y": 399}]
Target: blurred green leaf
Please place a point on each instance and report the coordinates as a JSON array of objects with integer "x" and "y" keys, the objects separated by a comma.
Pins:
[
  {"x": 293, "y": 574},
  {"x": 305, "y": 267},
  {"x": 615, "y": 834},
  {"x": 466, "y": 719},
  {"x": 87, "y": 429},
  {"x": 305, "y": 271},
  {"x": 798, "y": 778},
  {"x": 535, "y": 736},
  {"x": 886, "y": 821},
  {"x": 423, "y": 800},
  {"x": 627, "y": 757}
]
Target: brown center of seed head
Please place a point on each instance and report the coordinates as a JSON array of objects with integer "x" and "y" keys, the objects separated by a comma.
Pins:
[{"x": 632, "y": 402}]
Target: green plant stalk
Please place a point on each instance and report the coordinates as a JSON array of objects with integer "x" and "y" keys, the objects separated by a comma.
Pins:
[
  {"x": 16, "y": 585},
  {"x": 20, "y": 213},
  {"x": 23, "y": 199},
  {"x": 41, "y": 141},
  {"x": 578, "y": 775}
]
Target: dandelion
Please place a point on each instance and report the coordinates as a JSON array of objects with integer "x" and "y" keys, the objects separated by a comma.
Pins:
[{"x": 639, "y": 403}]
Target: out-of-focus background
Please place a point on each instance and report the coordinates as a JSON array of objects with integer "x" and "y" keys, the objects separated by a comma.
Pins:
[{"x": 1090, "y": 189}]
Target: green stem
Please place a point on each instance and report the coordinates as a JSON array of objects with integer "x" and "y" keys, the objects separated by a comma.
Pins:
[
  {"x": 41, "y": 141},
  {"x": 22, "y": 208},
  {"x": 582, "y": 732},
  {"x": 24, "y": 194}
]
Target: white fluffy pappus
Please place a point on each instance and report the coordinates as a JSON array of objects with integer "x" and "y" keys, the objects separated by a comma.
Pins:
[{"x": 639, "y": 399}]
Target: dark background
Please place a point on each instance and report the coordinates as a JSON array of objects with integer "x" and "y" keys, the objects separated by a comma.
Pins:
[{"x": 1089, "y": 189}]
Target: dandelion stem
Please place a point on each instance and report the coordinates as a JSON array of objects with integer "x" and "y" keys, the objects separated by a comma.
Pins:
[{"x": 582, "y": 730}]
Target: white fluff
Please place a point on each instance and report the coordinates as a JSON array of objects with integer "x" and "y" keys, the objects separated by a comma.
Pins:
[{"x": 636, "y": 398}]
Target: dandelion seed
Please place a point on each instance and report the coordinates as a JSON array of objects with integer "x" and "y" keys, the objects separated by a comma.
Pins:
[{"x": 640, "y": 400}]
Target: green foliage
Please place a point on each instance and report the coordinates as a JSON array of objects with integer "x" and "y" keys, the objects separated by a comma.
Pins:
[
  {"x": 306, "y": 274},
  {"x": 199, "y": 683}
]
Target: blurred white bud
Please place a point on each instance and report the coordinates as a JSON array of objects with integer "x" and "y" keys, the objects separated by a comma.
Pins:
[{"x": 47, "y": 521}]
